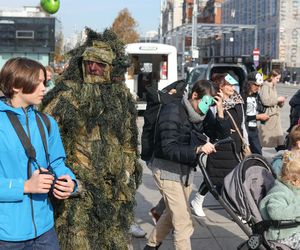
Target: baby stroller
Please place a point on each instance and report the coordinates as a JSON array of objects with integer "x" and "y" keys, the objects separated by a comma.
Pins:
[{"x": 243, "y": 189}]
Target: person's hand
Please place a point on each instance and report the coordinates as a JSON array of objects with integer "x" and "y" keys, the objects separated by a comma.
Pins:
[
  {"x": 281, "y": 99},
  {"x": 219, "y": 103},
  {"x": 262, "y": 117},
  {"x": 207, "y": 148},
  {"x": 63, "y": 187},
  {"x": 38, "y": 183}
]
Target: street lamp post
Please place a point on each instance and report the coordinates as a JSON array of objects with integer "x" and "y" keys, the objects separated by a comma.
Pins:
[{"x": 194, "y": 30}]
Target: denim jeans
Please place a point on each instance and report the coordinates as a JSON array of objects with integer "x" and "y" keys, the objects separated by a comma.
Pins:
[{"x": 46, "y": 241}]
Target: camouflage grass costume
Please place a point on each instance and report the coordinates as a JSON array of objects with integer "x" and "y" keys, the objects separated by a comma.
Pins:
[{"x": 97, "y": 118}]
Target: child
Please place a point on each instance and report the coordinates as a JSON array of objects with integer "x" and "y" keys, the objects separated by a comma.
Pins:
[
  {"x": 283, "y": 201},
  {"x": 294, "y": 145},
  {"x": 26, "y": 213}
]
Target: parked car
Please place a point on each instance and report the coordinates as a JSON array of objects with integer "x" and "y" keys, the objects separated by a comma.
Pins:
[{"x": 205, "y": 72}]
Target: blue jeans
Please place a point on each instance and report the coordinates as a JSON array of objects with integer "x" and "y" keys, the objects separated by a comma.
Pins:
[
  {"x": 254, "y": 141},
  {"x": 46, "y": 241}
]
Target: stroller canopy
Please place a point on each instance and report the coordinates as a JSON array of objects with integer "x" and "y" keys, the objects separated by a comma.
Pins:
[{"x": 246, "y": 185}]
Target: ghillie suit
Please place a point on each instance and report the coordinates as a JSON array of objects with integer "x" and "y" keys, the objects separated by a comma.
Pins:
[{"x": 97, "y": 118}]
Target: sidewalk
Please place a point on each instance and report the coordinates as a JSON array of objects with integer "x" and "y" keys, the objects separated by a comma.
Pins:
[{"x": 213, "y": 232}]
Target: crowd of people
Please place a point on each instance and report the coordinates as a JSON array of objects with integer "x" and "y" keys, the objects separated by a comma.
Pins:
[
  {"x": 252, "y": 119},
  {"x": 185, "y": 128}
]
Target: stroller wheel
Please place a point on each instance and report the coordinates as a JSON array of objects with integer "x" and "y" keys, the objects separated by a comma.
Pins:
[{"x": 254, "y": 241}]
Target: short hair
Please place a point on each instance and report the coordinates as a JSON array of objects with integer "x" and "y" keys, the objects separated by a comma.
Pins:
[
  {"x": 290, "y": 167},
  {"x": 50, "y": 69},
  {"x": 20, "y": 73},
  {"x": 203, "y": 87},
  {"x": 273, "y": 73},
  {"x": 294, "y": 135}
]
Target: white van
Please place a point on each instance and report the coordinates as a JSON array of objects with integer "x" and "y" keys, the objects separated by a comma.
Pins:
[{"x": 150, "y": 64}]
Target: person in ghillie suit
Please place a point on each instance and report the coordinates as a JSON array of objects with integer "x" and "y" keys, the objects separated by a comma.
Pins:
[{"x": 97, "y": 118}]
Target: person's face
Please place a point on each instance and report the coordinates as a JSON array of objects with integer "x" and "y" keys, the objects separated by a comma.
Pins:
[
  {"x": 94, "y": 68},
  {"x": 49, "y": 75},
  {"x": 275, "y": 79},
  {"x": 20, "y": 99},
  {"x": 227, "y": 89},
  {"x": 254, "y": 88},
  {"x": 195, "y": 100}
]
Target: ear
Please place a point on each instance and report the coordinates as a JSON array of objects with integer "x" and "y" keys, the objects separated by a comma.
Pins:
[
  {"x": 16, "y": 91},
  {"x": 194, "y": 96}
]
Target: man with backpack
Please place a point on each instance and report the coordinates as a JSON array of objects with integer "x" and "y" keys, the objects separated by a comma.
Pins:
[
  {"x": 183, "y": 130},
  {"x": 32, "y": 160}
]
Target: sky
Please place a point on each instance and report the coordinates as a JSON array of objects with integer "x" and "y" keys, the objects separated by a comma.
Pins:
[{"x": 98, "y": 14}]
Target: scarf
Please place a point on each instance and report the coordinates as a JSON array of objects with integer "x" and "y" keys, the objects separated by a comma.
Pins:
[
  {"x": 194, "y": 117},
  {"x": 232, "y": 101}
]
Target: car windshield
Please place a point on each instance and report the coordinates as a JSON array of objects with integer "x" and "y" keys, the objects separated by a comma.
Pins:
[{"x": 196, "y": 74}]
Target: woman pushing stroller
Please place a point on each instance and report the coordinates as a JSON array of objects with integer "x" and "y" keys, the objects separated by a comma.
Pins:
[{"x": 221, "y": 163}]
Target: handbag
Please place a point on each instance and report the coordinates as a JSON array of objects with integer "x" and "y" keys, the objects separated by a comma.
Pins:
[{"x": 245, "y": 147}]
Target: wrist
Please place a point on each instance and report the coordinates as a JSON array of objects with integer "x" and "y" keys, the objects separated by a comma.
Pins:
[
  {"x": 199, "y": 149},
  {"x": 26, "y": 187}
]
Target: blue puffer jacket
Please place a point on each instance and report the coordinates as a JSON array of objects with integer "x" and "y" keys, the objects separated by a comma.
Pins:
[{"x": 24, "y": 216}]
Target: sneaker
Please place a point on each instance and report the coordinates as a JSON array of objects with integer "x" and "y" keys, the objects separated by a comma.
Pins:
[
  {"x": 137, "y": 231},
  {"x": 155, "y": 216},
  {"x": 196, "y": 205}
]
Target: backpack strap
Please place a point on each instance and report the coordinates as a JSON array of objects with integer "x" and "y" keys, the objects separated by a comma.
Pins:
[
  {"x": 43, "y": 135},
  {"x": 45, "y": 119},
  {"x": 25, "y": 140},
  {"x": 29, "y": 149}
]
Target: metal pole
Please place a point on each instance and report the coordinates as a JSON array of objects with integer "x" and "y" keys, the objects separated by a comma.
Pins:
[
  {"x": 194, "y": 26},
  {"x": 255, "y": 36},
  {"x": 183, "y": 54},
  {"x": 161, "y": 22}
]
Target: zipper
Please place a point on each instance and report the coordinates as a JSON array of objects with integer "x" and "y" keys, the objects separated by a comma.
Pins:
[{"x": 29, "y": 173}]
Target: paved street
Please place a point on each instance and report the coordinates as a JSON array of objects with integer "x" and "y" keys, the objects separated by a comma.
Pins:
[{"x": 215, "y": 232}]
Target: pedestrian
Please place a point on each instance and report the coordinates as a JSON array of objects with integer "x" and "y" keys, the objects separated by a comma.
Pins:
[
  {"x": 26, "y": 181},
  {"x": 287, "y": 77},
  {"x": 221, "y": 163},
  {"x": 282, "y": 202},
  {"x": 294, "y": 78},
  {"x": 293, "y": 145},
  {"x": 270, "y": 131},
  {"x": 49, "y": 78},
  {"x": 180, "y": 138},
  {"x": 254, "y": 109},
  {"x": 295, "y": 110}
]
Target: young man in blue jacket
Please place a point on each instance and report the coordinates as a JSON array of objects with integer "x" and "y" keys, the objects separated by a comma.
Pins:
[{"x": 26, "y": 214}]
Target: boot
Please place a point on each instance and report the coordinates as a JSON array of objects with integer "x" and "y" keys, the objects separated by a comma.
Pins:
[{"x": 197, "y": 203}]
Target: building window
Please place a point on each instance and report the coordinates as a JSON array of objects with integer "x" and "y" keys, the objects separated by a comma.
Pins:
[
  {"x": 25, "y": 34},
  {"x": 274, "y": 7}
]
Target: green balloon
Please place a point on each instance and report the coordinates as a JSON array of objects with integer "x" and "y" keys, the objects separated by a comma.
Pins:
[{"x": 50, "y": 6}]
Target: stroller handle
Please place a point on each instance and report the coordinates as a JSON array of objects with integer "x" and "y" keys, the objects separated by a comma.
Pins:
[
  {"x": 223, "y": 141},
  {"x": 201, "y": 161}
]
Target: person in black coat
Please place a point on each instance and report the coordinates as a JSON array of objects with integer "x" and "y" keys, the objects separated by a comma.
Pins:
[
  {"x": 295, "y": 110},
  {"x": 219, "y": 164},
  {"x": 185, "y": 128}
]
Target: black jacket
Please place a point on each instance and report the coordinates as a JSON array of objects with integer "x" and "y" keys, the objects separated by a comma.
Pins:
[
  {"x": 295, "y": 110},
  {"x": 221, "y": 163},
  {"x": 177, "y": 137}
]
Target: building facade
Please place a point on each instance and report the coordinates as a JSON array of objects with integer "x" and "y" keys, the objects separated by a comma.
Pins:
[
  {"x": 27, "y": 32},
  {"x": 278, "y": 24}
]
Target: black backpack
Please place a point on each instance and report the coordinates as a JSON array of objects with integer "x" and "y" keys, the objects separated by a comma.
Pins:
[{"x": 155, "y": 100}]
